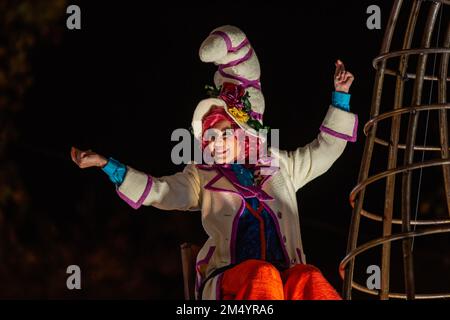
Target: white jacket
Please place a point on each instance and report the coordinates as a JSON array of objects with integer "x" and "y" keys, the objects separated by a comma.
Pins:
[{"x": 201, "y": 187}]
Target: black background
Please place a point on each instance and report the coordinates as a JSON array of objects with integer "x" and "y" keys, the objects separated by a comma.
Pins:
[{"x": 123, "y": 83}]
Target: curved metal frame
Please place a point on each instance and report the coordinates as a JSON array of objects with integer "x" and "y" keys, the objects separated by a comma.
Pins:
[
  {"x": 376, "y": 242},
  {"x": 413, "y": 111}
]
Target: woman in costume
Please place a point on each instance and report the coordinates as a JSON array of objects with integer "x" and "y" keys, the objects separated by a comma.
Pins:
[{"x": 248, "y": 208}]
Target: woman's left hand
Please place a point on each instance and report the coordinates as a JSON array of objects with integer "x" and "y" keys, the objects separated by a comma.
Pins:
[{"x": 342, "y": 79}]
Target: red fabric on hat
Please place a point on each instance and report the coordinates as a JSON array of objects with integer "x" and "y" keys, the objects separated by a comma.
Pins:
[
  {"x": 217, "y": 114},
  {"x": 214, "y": 116}
]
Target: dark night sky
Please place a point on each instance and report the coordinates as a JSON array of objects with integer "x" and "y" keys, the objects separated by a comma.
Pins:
[{"x": 132, "y": 75}]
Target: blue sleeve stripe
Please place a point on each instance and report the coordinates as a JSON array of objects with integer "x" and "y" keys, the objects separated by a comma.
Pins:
[
  {"x": 341, "y": 100},
  {"x": 115, "y": 170}
]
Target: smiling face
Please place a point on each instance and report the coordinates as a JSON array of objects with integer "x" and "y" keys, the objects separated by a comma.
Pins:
[{"x": 223, "y": 145}]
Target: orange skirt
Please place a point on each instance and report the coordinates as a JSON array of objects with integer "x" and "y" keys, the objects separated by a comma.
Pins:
[{"x": 260, "y": 280}]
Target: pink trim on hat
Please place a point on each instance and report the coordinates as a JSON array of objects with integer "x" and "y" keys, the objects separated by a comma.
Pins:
[
  {"x": 228, "y": 42},
  {"x": 245, "y": 82},
  {"x": 233, "y": 63}
]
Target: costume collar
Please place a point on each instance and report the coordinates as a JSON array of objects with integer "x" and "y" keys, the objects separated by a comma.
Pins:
[{"x": 226, "y": 180}]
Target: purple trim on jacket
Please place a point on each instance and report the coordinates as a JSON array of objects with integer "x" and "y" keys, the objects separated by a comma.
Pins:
[
  {"x": 234, "y": 230},
  {"x": 136, "y": 205},
  {"x": 268, "y": 176},
  {"x": 209, "y": 186},
  {"x": 247, "y": 191},
  {"x": 280, "y": 236},
  {"x": 336, "y": 134},
  {"x": 205, "y": 167},
  {"x": 261, "y": 196},
  {"x": 219, "y": 287},
  {"x": 205, "y": 260}
]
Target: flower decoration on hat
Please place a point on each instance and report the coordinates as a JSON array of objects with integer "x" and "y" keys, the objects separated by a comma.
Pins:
[{"x": 238, "y": 104}]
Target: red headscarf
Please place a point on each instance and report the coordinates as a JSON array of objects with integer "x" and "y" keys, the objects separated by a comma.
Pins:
[{"x": 217, "y": 114}]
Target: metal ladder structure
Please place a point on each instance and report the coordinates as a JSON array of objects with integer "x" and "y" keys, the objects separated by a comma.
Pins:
[{"x": 403, "y": 73}]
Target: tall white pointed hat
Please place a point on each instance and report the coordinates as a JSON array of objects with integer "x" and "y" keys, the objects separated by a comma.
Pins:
[{"x": 237, "y": 86}]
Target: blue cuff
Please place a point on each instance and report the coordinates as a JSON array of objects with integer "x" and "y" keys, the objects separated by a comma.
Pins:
[
  {"x": 115, "y": 171},
  {"x": 341, "y": 100}
]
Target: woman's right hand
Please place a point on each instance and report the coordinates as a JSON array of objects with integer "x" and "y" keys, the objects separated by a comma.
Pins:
[
  {"x": 342, "y": 79},
  {"x": 88, "y": 158}
]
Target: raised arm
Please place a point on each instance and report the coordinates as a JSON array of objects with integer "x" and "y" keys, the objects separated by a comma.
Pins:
[{"x": 339, "y": 126}]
